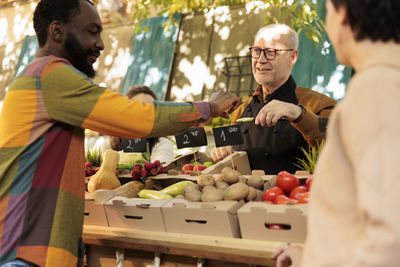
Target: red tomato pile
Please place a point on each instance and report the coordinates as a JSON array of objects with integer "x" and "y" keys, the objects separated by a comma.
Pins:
[
  {"x": 187, "y": 168},
  {"x": 288, "y": 190}
]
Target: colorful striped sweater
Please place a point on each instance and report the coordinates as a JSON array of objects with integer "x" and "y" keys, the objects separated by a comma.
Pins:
[{"x": 42, "y": 154}]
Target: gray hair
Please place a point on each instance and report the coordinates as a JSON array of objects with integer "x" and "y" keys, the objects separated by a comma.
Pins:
[{"x": 292, "y": 38}]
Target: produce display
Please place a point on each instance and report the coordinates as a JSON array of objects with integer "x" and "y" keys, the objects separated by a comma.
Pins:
[
  {"x": 288, "y": 190},
  {"x": 229, "y": 185},
  {"x": 216, "y": 189},
  {"x": 192, "y": 168},
  {"x": 220, "y": 199}
]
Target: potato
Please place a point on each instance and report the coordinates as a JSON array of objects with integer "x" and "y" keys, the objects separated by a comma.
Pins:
[
  {"x": 259, "y": 195},
  {"x": 205, "y": 179},
  {"x": 230, "y": 176},
  {"x": 189, "y": 187},
  {"x": 236, "y": 191},
  {"x": 208, "y": 187},
  {"x": 258, "y": 172},
  {"x": 252, "y": 194},
  {"x": 212, "y": 195},
  {"x": 256, "y": 181},
  {"x": 270, "y": 183},
  {"x": 193, "y": 195},
  {"x": 217, "y": 177},
  {"x": 179, "y": 197},
  {"x": 221, "y": 185},
  {"x": 242, "y": 179}
]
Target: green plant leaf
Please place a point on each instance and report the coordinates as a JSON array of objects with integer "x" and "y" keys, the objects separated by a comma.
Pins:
[
  {"x": 311, "y": 156},
  {"x": 94, "y": 156},
  {"x": 298, "y": 13},
  {"x": 146, "y": 155}
]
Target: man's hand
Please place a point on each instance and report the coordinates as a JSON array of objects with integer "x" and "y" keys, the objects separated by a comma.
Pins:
[
  {"x": 288, "y": 252},
  {"x": 219, "y": 153},
  {"x": 222, "y": 103},
  {"x": 275, "y": 110}
]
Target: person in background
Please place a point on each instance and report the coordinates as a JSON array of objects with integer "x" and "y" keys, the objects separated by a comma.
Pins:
[
  {"x": 353, "y": 216},
  {"x": 42, "y": 124},
  {"x": 295, "y": 116},
  {"x": 161, "y": 148}
]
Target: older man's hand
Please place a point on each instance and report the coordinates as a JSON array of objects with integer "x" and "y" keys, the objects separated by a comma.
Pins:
[
  {"x": 222, "y": 103},
  {"x": 275, "y": 110}
]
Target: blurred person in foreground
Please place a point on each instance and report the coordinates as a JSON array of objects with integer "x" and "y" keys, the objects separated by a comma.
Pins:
[
  {"x": 42, "y": 124},
  {"x": 295, "y": 116},
  {"x": 161, "y": 148},
  {"x": 353, "y": 213}
]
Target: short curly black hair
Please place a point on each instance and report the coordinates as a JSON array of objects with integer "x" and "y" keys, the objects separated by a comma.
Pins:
[
  {"x": 141, "y": 89},
  {"x": 372, "y": 19},
  {"x": 48, "y": 11}
]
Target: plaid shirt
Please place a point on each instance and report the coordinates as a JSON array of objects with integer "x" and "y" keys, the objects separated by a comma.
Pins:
[{"x": 42, "y": 154}]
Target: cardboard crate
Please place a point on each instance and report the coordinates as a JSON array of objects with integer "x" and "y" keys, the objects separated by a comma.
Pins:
[
  {"x": 240, "y": 160},
  {"x": 94, "y": 207},
  {"x": 143, "y": 214},
  {"x": 185, "y": 159},
  {"x": 202, "y": 218},
  {"x": 254, "y": 218}
]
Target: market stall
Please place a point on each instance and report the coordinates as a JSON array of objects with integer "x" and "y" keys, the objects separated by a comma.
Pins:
[
  {"x": 165, "y": 225},
  {"x": 142, "y": 248}
]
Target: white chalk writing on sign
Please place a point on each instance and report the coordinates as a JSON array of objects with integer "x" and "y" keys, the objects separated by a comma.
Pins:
[
  {"x": 233, "y": 129},
  {"x": 186, "y": 140}
]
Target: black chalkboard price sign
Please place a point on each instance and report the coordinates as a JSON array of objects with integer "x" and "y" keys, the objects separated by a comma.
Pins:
[
  {"x": 134, "y": 145},
  {"x": 192, "y": 137},
  {"x": 227, "y": 136}
]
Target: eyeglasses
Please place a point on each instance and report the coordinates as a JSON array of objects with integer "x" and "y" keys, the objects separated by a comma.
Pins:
[{"x": 269, "y": 53}]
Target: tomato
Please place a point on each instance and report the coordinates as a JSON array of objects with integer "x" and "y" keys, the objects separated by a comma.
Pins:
[
  {"x": 271, "y": 194},
  {"x": 304, "y": 198},
  {"x": 276, "y": 227},
  {"x": 283, "y": 200},
  {"x": 309, "y": 182},
  {"x": 187, "y": 167},
  {"x": 297, "y": 191},
  {"x": 286, "y": 181},
  {"x": 199, "y": 167}
]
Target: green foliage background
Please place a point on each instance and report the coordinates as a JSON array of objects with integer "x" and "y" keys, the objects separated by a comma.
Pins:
[{"x": 301, "y": 15}]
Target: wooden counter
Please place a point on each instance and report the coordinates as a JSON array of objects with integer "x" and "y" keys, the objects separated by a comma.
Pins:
[{"x": 217, "y": 251}]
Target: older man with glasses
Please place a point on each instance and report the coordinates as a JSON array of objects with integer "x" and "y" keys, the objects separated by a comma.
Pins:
[{"x": 294, "y": 116}]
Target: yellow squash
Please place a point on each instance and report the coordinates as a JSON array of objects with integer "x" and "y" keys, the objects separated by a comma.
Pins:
[
  {"x": 105, "y": 177},
  {"x": 153, "y": 194}
]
